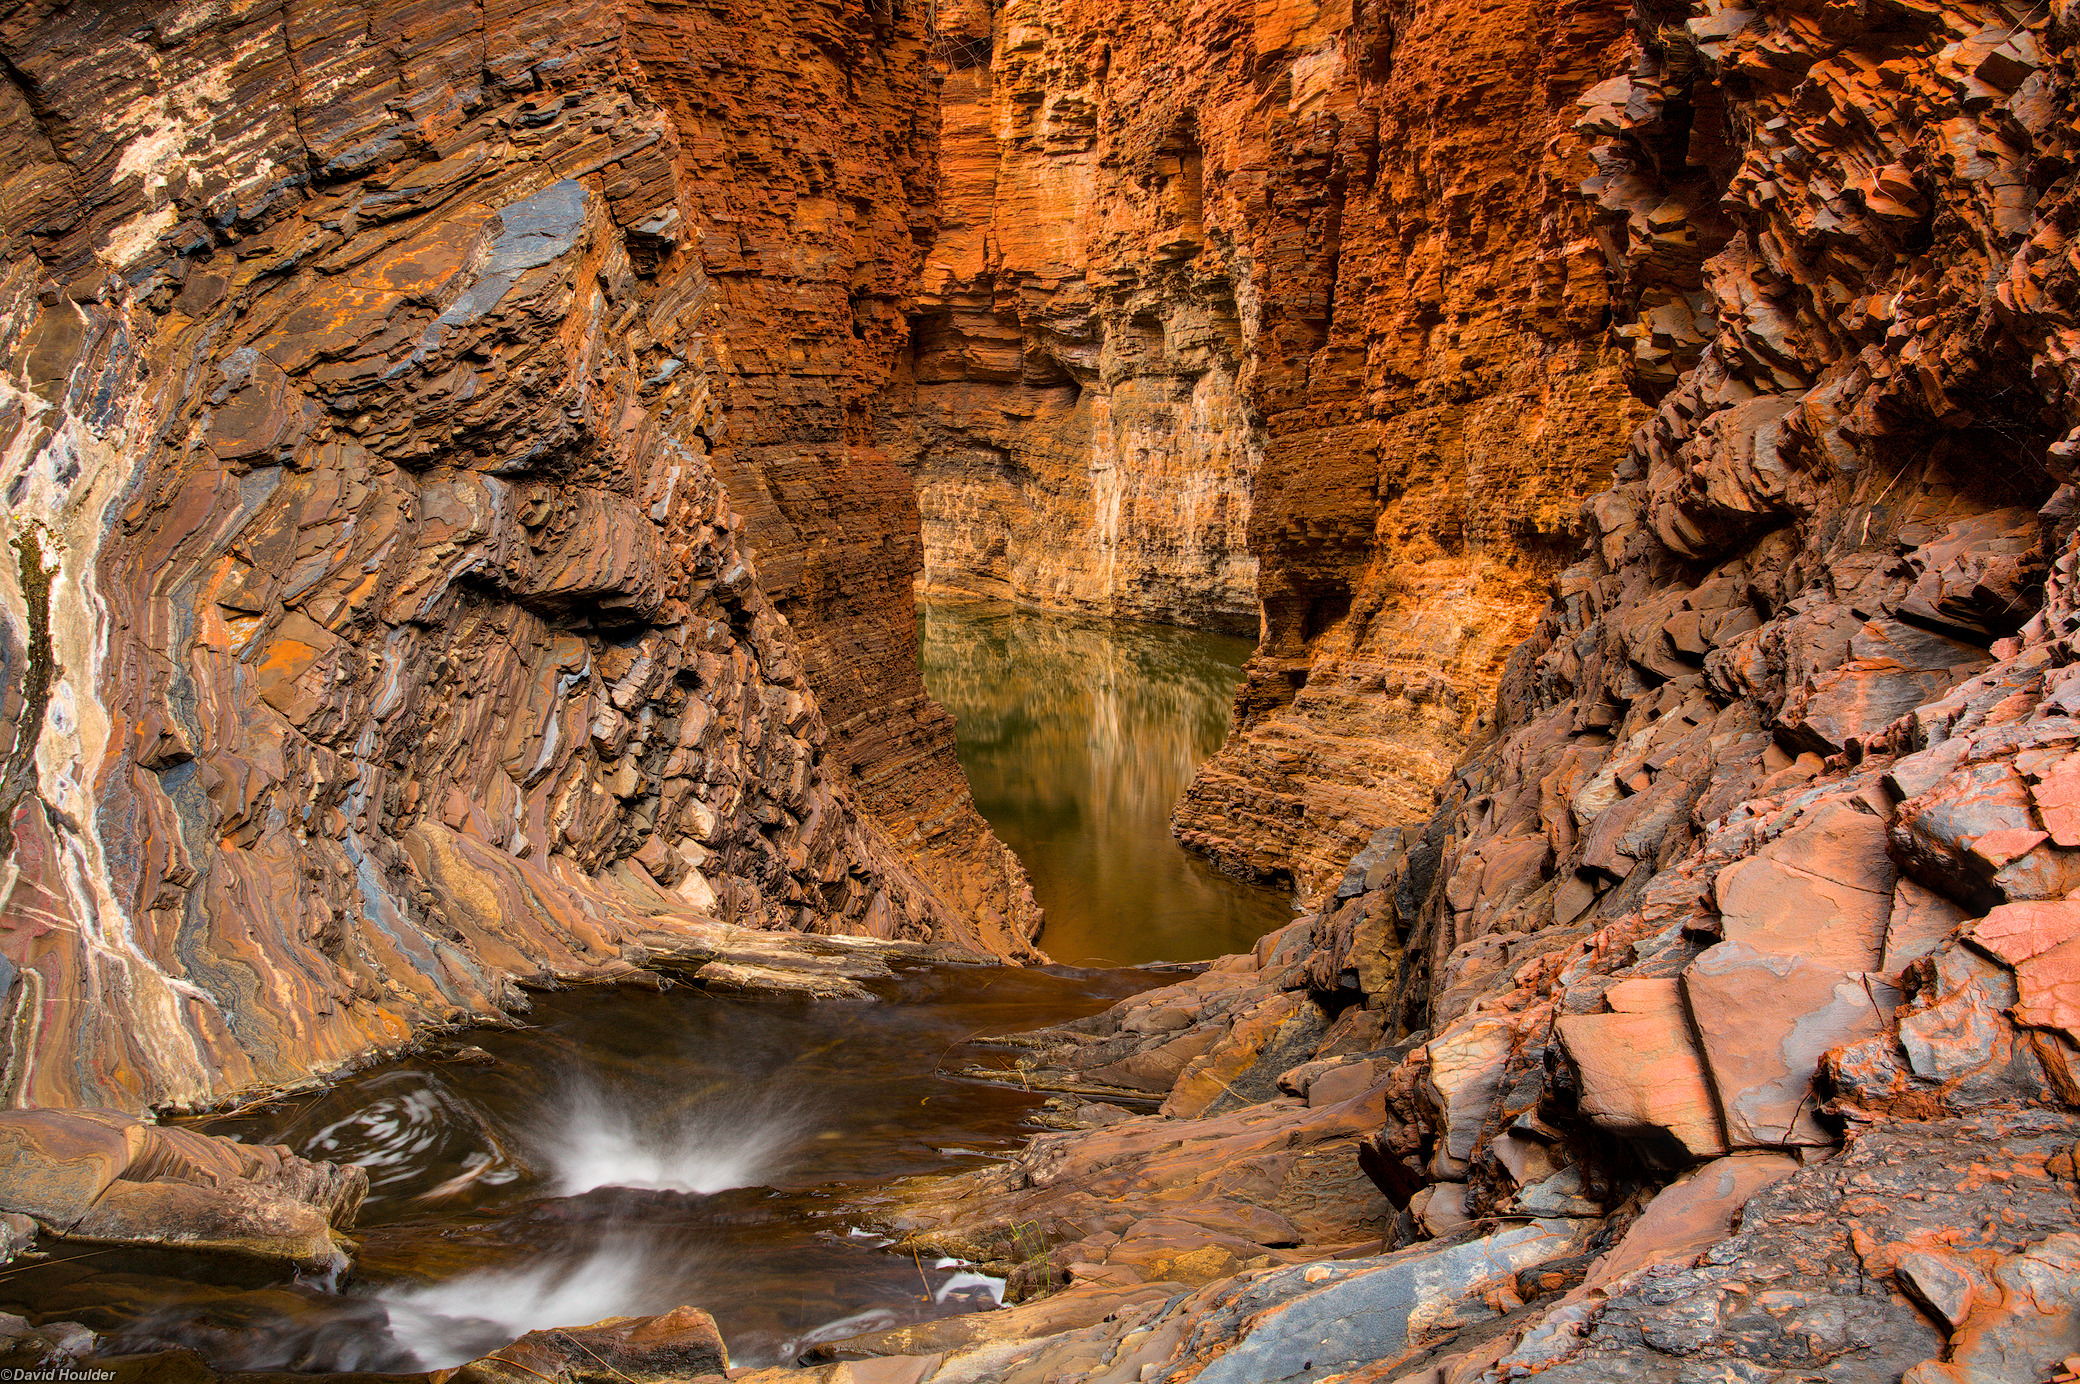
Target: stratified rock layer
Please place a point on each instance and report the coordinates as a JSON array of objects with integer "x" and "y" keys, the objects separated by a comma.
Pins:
[
  {"x": 1749, "y": 936},
  {"x": 388, "y": 392},
  {"x": 1232, "y": 309},
  {"x": 102, "y": 1176}
]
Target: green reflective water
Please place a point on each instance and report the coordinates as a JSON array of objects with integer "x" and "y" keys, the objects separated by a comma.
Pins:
[{"x": 1078, "y": 736}]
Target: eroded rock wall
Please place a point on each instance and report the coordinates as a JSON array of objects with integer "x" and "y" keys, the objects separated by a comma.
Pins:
[
  {"x": 387, "y": 395},
  {"x": 1085, "y": 440},
  {"x": 1283, "y": 317},
  {"x": 1745, "y": 946},
  {"x": 1439, "y": 395}
]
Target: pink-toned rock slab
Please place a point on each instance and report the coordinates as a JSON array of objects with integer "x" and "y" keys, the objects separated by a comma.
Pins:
[
  {"x": 1692, "y": 1212},
  {"x": 1765, "y": 1021},
  {"x": 2015, "y": 932},
  {"x": 1921, "y": 921},
  {"x": 1822, "y": 891},
  {"x": 2049, "y": 986},
  {"x": 1639, "y": 1071}
]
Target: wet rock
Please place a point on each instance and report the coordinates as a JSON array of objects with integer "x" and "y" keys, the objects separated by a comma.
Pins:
[
  {"x": 237, "y": 1219},
  {"x": 55, "y": 1345},
  {"x": 101, "y": 1176},
  {"x": 59, "y": 1162},
  {"x": 732, "y": 978},
  {"x": 1275, "y": 1174},
  {"x": 632, "y": 1350},
  {"x": 17, "y": 1233},
  {"x": 1076, "y": 1307}
]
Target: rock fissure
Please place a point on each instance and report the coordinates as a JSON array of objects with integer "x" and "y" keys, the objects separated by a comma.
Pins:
[{"x": 34, "y": 660}]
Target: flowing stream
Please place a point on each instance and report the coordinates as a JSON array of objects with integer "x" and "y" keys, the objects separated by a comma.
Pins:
[{"x": 625, "y": 1151}]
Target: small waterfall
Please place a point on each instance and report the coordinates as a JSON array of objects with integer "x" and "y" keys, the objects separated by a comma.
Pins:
[
  {"x": 448, "y": 1323},
  {"x": 598, "y": 1138}
]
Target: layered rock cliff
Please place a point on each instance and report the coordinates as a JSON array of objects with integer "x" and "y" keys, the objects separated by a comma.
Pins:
[
  {"x": 1291, "y": 311},
  {"x": 447, "y": 542},
  {"x": 1716, "y": 1019},
  {"x": 1691, "y": 991}
]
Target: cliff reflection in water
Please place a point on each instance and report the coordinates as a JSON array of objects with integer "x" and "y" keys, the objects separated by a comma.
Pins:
[{"x": 1078, "y": 736}]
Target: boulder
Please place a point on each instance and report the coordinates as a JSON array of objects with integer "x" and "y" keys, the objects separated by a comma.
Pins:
[
  {"x": 56, "y": 1162},
  {"x": 619, "y": 1350},
  {"x": 102, "y": 1176},
  {"x": 238, "y": 1218},
  {"x": 1362, "y": 1311}
]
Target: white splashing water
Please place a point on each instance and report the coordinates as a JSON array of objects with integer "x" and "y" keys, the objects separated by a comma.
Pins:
[
  {"x": 722, "y": 1144},
  {"x": 456, "y": 1321}
]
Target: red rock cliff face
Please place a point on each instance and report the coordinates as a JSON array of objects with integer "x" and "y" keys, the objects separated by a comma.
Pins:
[
  {"x": 388, "y": 393},
  {"x": 1747, "y": 939},
  {"x": 1439, "y": 395},
  {"x": 1289, "y": 308}
]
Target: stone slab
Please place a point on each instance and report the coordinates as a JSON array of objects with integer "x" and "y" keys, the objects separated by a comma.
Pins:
[
  {"x": 1371, "y": 1309},
  {"x": 1822, "y": 891},
  {"x": 54, "y": 1163},
  {"x": 1640, "y": 1071},
  {"x": 1692, "y": 1213},
  {"x": 1764, "y": 1021}
]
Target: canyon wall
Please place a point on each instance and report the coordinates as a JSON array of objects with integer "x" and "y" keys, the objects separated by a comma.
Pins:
[
  {"x": 1440, "y": 393},
  {"x": 1288, "y": 312},
  {"x": 1716, "y": 1016},
  {"x": 447, "y": 544},
  {"x": 1079, "y": 336}
]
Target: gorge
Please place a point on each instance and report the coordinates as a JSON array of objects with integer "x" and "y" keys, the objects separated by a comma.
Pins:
[{"x": 470, "y": 474}]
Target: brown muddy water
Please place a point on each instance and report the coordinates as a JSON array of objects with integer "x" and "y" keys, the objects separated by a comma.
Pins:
[
  {"x": 624, "y": 1153},
  {"x": 1078, "y": 736}
]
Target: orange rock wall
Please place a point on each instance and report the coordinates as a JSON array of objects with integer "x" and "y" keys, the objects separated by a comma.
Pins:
[
  {"x": 1287, "y": 309},
  {"x": 447, "y": 547}
]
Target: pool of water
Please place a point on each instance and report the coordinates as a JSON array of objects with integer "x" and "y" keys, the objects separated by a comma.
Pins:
[
  {"x": 1078, "y": 736},
  {"x": 624, "y": 1153}
]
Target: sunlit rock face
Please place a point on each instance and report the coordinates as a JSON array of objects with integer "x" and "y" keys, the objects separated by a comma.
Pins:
[
  {"x": 1085, "y": 440},
  {"x": 428, "y": 438},
  {"x": 1234, "y": 318}
]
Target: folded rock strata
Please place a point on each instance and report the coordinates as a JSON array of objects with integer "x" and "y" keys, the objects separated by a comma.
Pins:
[
  {"x": 459, "y": 534},
  {"x": 448, "y": 528}
]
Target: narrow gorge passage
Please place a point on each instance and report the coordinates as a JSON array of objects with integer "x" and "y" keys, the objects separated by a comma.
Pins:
[
  {"x": 1078, "y": 735},
  {"x": 487, "y": 890}
]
